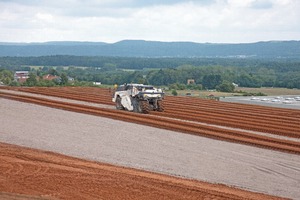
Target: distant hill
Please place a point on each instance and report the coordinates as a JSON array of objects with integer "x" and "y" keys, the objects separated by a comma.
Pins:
[{"x": 141, "y": 48}]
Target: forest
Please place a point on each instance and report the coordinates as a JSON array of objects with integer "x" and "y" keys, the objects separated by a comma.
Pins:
[{"x": 208, "y": 73}]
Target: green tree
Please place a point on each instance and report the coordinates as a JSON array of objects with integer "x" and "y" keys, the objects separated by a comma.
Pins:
[
  {"x": 249, "y": 80},
  {"x": 225, "y": 86},
  {"x": 64, "y": 79},
  {"x": 45, "y": 83},
  {"x": 14, "y": 83},
  {"x": 174, "y": 93},
  {"x": 6, "y": 77},
  {"x": 211, "y": 81},
  {"x": 31, "y": 81},
  {"x": 267, "y": 76},
  {"x": 53, "y": 72}
]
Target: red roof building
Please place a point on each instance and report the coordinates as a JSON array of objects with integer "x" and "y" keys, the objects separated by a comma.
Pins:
[
  {"x": 21, "y": 76},
  {"x": 50, "y": 77}
]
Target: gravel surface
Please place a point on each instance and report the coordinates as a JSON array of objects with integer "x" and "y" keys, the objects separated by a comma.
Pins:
[
  {"x": 113, "y": 107},
  {"x": 152, "y": 149}
]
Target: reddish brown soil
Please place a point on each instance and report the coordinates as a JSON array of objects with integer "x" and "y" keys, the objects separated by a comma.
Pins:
[
  {"x": 46, "y": 175},
  {"x": 251, "y": 117},
  {"x": 289, "y": 126}
]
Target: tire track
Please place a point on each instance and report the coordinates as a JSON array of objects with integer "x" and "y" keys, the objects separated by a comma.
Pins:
[
  {"x": 168, "y": 123},
  {"x": 276, "y": 121}
]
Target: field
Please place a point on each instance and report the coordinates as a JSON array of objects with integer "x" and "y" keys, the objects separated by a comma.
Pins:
[
  {"x": 270, "y": 91},
  {"x": 273, "y": 130},
  {"x": 266, "y": 91},
  {"x": 201, "y": 93}
]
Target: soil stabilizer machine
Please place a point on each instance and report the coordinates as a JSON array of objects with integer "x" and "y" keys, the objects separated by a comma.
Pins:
[{"x": 138, "y": 98}]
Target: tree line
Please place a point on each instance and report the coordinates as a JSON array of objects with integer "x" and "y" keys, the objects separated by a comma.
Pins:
[{"x": 208, "y": 73}]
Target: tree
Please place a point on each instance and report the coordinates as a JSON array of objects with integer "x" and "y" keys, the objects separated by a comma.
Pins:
[
  {"x": 211, "y": 81},
  {"x": 6, "y": 77},
  {"x": 45, "y": 83},
  {"x": 31, "y": 81},
  {"x": 249, "y": 80},
  {"x": 53, "y": 72},
  {"x": 174, "y": 93},
  {"x": 267, "y": 76},
  {"x": 14, "y": 83},
  {"x": 64, "y": 79},
  {"x": 225, "y": 86}
]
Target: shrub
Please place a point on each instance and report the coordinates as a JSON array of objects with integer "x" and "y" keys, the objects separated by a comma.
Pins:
[{"x": 174, "y": 93}]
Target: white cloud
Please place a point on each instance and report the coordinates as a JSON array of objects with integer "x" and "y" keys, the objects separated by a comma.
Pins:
[{"x": 223, "y": 21}]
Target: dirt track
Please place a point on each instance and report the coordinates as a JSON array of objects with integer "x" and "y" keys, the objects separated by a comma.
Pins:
[{"x": 286, "y": 114}]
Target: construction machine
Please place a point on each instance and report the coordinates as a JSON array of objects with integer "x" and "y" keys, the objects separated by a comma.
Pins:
[{"x": 138, "y": 98}]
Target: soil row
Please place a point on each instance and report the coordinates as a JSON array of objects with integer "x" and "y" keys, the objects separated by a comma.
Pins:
[
  {"x": 46, "y": 175},
  {"x": 170, "y": 123},
  {"x": 277, "y": 121}
]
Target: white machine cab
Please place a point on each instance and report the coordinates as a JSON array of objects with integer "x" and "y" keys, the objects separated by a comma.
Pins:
[{"x": 138, "y": 98}]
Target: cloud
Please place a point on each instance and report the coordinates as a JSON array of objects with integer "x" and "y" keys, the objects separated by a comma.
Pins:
[{"x": 172, "y": 20}]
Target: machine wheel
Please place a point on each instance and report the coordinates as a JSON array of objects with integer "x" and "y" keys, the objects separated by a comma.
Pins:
[
  {"x": 136, "y": 106},
  {"x": 160, "y": 106},
  {"x": 144, "y": 107},
  {"x": 118, "y": 104}
]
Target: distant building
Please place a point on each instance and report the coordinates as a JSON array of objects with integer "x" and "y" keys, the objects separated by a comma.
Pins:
[
  {"x": 235, "y": 85},
  {"x": 71, "y": 79},
  {"x": 21, "y": 76},
  {"x": 97, "y": 83},
  {"x": 50, "y": 77},
  {"x": 190, "y": 81}
]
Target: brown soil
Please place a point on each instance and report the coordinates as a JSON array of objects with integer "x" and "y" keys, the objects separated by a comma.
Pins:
[
  {"x": 251, "y": 117},
  {"x": 46, "y": 175},
  {"x": 271, "y": 120}
]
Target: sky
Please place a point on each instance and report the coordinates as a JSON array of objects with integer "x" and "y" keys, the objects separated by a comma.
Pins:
[{"x": 202, "y": 21}]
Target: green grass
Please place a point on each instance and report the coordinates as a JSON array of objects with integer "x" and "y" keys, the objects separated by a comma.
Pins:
[
  {"x": 271, "y": 91},
  {"x": 201, "y": 93},
  {"x": 36, "y": 67}
]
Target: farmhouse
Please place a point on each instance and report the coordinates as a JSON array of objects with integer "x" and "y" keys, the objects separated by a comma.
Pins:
[
  {"x": 21, "y": 76},
  {"x": 190, "y": 81}
]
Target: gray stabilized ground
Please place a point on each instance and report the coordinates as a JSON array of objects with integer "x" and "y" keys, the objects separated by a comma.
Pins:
[
  {"x": 280, "y": 101},
  {"x": 151, "y": 149}
]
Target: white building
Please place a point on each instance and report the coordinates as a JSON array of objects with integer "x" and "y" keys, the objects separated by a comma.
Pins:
[{"x": 21, "y": 76}]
